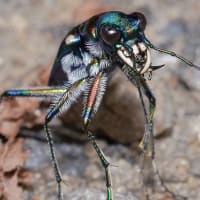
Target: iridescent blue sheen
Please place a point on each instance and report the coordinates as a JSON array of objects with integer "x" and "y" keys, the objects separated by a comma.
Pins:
[
  {"x": 17, "y": 92},
  {"x": 123, "y": 21},
  {"x": 51, "y": 114},
  {"x": 86, "y": 115}
]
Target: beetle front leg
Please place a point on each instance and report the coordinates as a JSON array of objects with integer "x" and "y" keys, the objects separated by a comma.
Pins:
[
  {"x": 148, "y": 135},
  {"x": 148, "y": 138}
]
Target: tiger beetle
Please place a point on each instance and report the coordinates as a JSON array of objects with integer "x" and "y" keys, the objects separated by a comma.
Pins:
[{"x": 88, "y": 53}]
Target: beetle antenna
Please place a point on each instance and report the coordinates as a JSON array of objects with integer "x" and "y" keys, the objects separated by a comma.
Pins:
[{"x": 171, "y": 53}]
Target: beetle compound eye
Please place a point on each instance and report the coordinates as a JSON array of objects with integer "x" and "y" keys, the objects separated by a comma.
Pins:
[
  {"x": 141, "y": 18},
  {"x": 110, "y": 34}
]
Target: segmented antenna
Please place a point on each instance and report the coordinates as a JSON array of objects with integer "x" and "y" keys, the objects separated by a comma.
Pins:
[{"x": 171, "y": 53}]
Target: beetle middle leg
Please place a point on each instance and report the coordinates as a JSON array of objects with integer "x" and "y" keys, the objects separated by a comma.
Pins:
[
  {"x": 93, "y": 97},
  {"x": 104, "y": 163}
]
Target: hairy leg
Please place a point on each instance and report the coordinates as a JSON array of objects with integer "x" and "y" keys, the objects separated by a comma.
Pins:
[
  {"x": 61, "y": 102},
  {"x": 93, "y": 97}
]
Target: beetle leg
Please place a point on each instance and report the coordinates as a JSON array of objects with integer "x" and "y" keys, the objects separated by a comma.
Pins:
[
  {"x": 147, "y": 143},
  {"x": 53, "y": 158},
  {"x": 62, "y": 102},
  {"x": 148, "y": 116},
  {"x": 92, "y": 100},
  {"x": 104, "y": 163},
  {"x": 33, "y": 92}
]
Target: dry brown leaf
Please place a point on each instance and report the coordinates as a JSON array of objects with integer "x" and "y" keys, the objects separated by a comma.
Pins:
[
  {"x": 15, "y": 113},
  {"x": 14, "y": 157},
  {"x": 11, "y": 189},
  {"x": 9, "y": 128}
]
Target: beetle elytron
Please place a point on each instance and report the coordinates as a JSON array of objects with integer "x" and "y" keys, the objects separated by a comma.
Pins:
[{"x": 88, "y": 53}]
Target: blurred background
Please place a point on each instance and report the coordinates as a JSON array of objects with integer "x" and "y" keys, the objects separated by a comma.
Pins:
[{"x": 30, "y": 34}]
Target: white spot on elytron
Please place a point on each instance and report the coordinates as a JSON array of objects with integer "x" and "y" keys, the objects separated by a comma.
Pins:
[{"x": 70, "y": 39}]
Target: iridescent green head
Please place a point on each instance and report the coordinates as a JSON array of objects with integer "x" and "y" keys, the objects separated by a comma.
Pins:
[
  {"x": 120, "y": 33},
  {"x": 123, "y": 34},
  {"x": 115, "y": 28},
  {"x": 118, "y": 28}
]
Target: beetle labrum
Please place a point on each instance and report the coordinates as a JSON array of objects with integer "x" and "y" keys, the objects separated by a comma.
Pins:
[{"x": 88, "y": 53}]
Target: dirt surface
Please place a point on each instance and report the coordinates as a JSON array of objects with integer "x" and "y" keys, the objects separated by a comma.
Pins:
[{"x": 30, "y": 33}]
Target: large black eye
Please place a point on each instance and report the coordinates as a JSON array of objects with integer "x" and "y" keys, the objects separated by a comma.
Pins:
[
  {"x": 141, "y": 18},
  {"x": 110, "y": 34}
]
